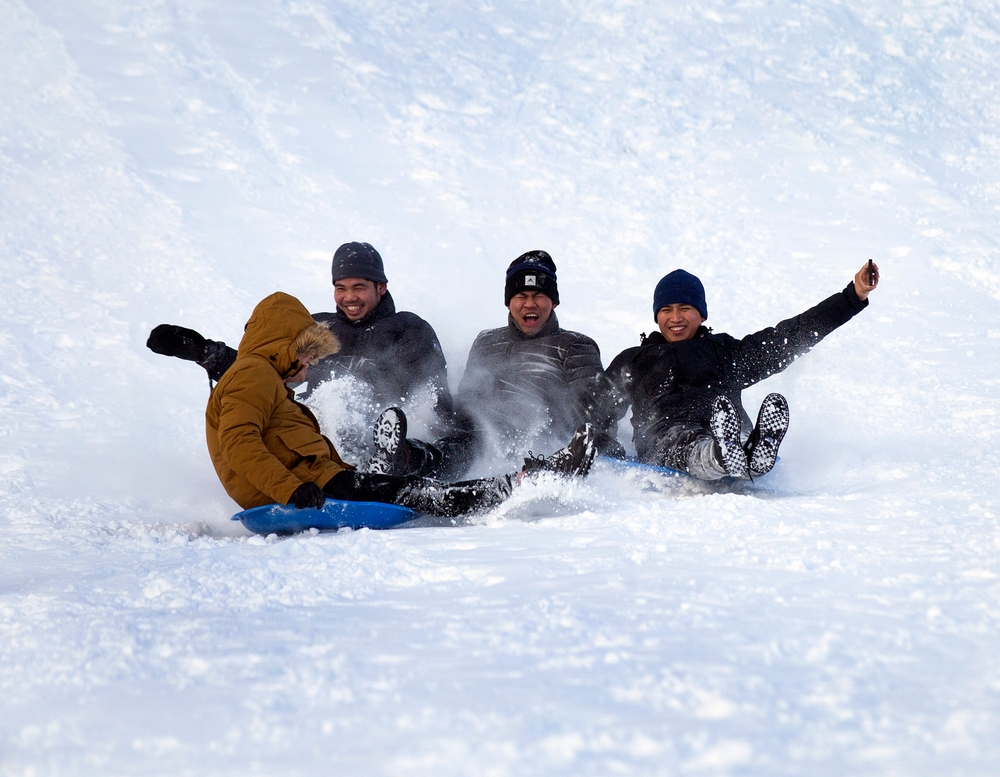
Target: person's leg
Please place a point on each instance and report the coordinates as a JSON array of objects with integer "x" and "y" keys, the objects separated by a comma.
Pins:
[
  {"x": 425, "y": 496},
  {"x": 446, "y": 458},
  {"x": 690, "y": 448},
  {"x": 725, "y": 426}
]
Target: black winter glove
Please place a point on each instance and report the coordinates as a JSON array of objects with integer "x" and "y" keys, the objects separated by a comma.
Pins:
[
  {"x": 308, "y": 495},
  {"x": 173, "y": 340}
]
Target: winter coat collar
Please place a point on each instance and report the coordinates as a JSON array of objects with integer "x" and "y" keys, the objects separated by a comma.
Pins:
[
  {"x": 657, "y": 338},
  {"x": 385, "y": 308},
  {"x": 550, "y": 328}
]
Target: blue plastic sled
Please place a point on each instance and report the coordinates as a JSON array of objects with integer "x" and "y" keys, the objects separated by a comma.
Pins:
[
  {"x": 336, "y": 514},
  {"x": 625, "y": 465}
]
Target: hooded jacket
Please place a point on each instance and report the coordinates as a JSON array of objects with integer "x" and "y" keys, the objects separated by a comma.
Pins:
[
  {"x": 677, "y": 383},
  {"x": 263, "y": 443}
]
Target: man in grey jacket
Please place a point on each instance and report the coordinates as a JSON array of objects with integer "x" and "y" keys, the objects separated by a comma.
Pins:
[{"x": 527, "y": 386}]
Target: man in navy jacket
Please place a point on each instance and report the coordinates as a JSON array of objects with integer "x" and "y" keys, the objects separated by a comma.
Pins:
[{"x": 684, "y": 382}]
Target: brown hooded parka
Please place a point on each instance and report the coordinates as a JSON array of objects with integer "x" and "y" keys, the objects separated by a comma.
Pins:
[{"x": 263, "y": 443}]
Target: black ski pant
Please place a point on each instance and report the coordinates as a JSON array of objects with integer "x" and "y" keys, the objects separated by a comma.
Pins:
[
  {"x": 688, "y": 448},
  {"x": 421, "y": 494}
]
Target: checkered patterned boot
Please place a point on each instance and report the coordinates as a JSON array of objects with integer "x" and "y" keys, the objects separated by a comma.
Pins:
[
  {"x": 725, "y": 428},
  {"x": 762, "y": 445}
]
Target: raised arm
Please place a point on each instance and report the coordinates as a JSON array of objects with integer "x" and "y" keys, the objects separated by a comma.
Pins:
[
  {"x": 771, "y": 350},
  {"x": 183, "y": 343}
]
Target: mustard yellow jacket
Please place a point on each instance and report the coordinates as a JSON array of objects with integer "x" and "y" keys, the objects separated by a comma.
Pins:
[{"x": 262, "y": 442}]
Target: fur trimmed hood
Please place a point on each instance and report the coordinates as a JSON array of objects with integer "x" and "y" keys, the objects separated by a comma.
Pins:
[
  {"x": 315, "y": 342},
  {"x": 280, "y": 329}
]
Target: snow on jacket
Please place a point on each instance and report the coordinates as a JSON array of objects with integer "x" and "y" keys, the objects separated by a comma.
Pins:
[
  {"x": 397, "y": 354},
  {"x": 263, "y": 443},
  {"x": 669, "y": 383},
  {"x": 542, "y": 386}
]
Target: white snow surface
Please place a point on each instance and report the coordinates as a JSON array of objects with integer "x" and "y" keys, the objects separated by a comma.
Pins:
[{"x": 178, "y": 160}]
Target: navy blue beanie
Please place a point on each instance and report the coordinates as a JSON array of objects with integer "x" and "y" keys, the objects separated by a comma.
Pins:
[
  {"x": 680, "y": 287},
  {"x": 531, "y": 271},
  {"x": 358, "y": 260}
]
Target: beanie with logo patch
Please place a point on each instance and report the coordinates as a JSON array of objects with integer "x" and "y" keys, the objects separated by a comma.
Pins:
[{"x": 532, "y": 271}]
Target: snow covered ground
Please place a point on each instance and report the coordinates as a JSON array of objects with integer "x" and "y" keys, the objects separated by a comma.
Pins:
[{"x": 177, "y": 160}]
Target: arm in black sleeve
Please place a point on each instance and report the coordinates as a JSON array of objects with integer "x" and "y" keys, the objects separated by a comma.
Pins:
[
  {"x": 419, "y": 362},
  {"x": 218, "y": 358},
  {"x": 585, "y": 375},
  {"x": 619, "y": 377},
  {"x": 424, "y": 356},
  {"x": 771, "y": 350},
  {"x": 187, "y": 344}
]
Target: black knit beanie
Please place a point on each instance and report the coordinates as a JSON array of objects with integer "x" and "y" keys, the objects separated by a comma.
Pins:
[
  {"x": 533, "y": 271},
  {"x": 358, "y": 260}
]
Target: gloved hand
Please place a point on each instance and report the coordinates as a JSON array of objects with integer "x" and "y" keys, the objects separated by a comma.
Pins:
[
  {"x": 173, "y": 340},
  {"x": 307, "y": 495}
]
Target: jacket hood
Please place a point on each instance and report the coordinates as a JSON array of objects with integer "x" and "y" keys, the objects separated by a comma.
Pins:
[{"x": 280, "y": 328}]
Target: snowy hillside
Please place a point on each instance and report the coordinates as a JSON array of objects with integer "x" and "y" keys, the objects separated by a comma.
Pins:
[{"x": 178, "y": 160}]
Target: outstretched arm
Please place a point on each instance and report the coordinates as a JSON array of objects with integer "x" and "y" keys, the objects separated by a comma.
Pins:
[
  {"x": 184, "y": 343},
  {"x": 771, "y": 350},
  {"x": 865, "y": 281}
]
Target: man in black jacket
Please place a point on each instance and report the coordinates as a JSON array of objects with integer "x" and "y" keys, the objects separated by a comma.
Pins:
[
  {"x": 684, "y": 382},
  {"x": 526, "y": 385},
  {"x": 396, "y": 354}
]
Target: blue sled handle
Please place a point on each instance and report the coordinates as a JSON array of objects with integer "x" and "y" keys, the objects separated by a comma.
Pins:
[{"x": 335, "y": 514}]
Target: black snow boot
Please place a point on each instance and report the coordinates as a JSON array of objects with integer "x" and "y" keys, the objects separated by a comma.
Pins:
[
  {"x": 572, "y": 461},
  {"x": 389, "y": 442},
  {"x": 762, "y": 445},
  {"x": 725, "y": 428}
]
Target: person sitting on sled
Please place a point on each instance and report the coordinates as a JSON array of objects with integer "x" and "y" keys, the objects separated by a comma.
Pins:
[
  {"x": 268, "y": 448},
  {"x": 526, "y": 385},
  {"x": 395, "y": 354},
  {"x": 684, "y": 382}
]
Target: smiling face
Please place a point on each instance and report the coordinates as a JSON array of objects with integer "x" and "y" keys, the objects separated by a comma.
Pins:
[
  {"x": 678, "y": 322},
  {"x": 530, "y": 310},
  {"x": 357, "y": 297}
]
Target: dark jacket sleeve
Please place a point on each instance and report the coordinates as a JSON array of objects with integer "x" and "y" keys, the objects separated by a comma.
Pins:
[
  {"x": 771, "y": 350},
  {"x": 422, "y": 356},
  {"x": 619, "y": 381},
  {"x": 473, "y": 386},
  {"x": 586, "y": 378},
  {"x": 218, "y": 358}
]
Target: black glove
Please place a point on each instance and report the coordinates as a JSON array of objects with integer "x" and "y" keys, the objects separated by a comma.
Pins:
[
  {"x": 308, "y": 495},
  {"x": 173, "y": 340}
]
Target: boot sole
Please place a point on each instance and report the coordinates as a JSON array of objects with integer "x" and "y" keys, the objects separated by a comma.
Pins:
[
  {"x": 389, "y": 431},
  {"x": 725, "y": 426},
  {"x": 772, "y": 421}
]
